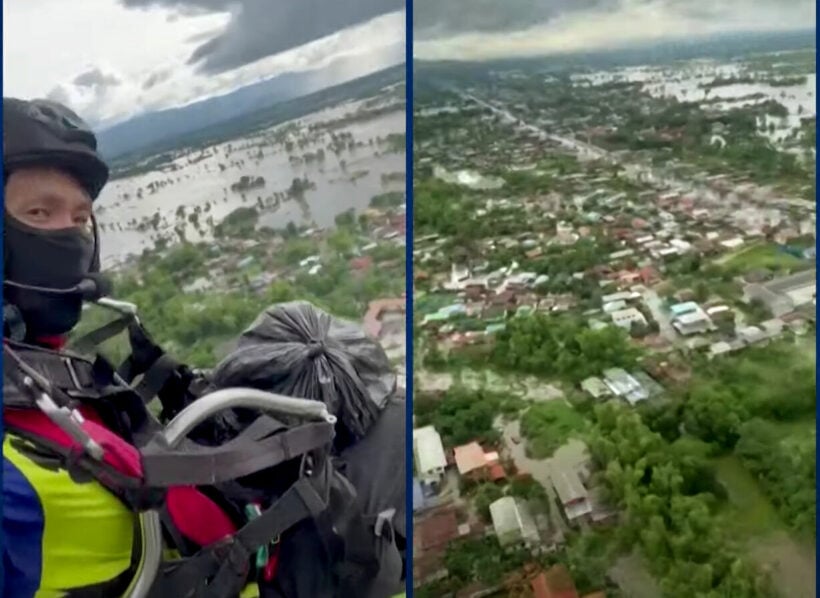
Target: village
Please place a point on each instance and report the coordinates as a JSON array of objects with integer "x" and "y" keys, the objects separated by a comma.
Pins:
[
  {"x": 692, "y": 271},
  {"x": 353, "y": 269}
]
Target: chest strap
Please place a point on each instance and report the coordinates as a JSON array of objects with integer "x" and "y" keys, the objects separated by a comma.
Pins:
[{"x": 222, "y": 569}]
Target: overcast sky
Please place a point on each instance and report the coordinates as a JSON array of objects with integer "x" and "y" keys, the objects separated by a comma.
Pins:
[
  {"x": 110, "y": 59},
  {"x": 486, "y": 29}
]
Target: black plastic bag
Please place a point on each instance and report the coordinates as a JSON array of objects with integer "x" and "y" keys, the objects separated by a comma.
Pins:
[{"x": 298, "y": 350}]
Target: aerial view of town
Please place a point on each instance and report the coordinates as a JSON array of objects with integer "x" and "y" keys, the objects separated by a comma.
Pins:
[
  {"x": 614, "y": 323},
  {"x": 304, "y": 202}
]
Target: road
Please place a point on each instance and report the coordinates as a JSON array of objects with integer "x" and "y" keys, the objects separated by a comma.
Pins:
[
  {"x": 656, "y": 177},
  {"x": 659, "y": 314},
  {"x": 539, "y": 469},
  {"x": 528, "y": 388}
]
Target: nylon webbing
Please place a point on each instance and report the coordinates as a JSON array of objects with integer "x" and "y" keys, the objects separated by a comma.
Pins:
[
  {"x": 227, "y": 563},
  {"x": 98, "y": 336},
  {"x": 240, "y": 457}
]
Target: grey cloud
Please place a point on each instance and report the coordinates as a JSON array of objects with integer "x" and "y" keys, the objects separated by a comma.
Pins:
[
  {"x": 95, "y": 78},
  {"x": 155, "y": 78},
  {"x": 432, "y": 18},
  {"x": 441, "y": 18},
  {"x": 59, "y": 95},
  {"x": 261, "y": 28}
]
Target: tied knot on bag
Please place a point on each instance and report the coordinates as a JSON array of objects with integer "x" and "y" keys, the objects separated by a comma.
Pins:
[{"x": 315, "y": 348}]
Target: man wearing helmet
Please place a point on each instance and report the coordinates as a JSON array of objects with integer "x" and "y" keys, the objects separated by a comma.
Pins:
[
  {"x": 70, "y": 496},
  {"x": 58, "y": 535}
]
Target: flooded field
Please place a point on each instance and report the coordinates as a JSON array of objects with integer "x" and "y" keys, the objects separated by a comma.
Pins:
[
  {"x": 726, "y": 85},
  {"x": 304, "y": 172}
]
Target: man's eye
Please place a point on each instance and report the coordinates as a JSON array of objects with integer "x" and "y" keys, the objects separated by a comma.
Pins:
[{"x": 38, "y": 213}]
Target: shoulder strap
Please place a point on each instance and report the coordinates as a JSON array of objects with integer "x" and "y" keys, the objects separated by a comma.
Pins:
[
  {"x": 91, "y": 340},
  {"x": 222, "y": 569},
  {"x": 198, "y": 465}
]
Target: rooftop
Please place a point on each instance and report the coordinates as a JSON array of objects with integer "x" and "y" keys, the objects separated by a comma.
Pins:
[
  {"x": 428, "y": 449},
  {"x": 437, "y": 530},
  {"x": 513, "y": 521},
  {"x": 556, "y": 582},
  {"x": 568, "y": 485},
  {"x": 470, "y": 457}
]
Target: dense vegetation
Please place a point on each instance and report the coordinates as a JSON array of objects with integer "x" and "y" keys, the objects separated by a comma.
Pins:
[
  {"x": 561, "y": 347},
  {"x": 195, "y": 326},
  {"x": 462, "y": 415},
  {"x": 668, "y": 501}
]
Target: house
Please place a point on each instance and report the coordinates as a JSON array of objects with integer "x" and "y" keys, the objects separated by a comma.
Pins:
[
  {"x": 751, "y": 335},
  {"x": 428, "y": 452},
  {"x": 472, "y": 462},
  {"x": 513, "y": 523},
  {"x": 556, "y": 582},
  {"x": 649, "y": 275},
  {"x": 373, "y": 324},
  {"x": 626, "y": 318},
  {"x": 783, "y": 295},
  {"x": 680, "y": 309},
  {"x": 419, "y": 500},
  {"x": 595, "y": 387},
  {"x": 773, "y": 327},
  {"x": 719, "y": 348},
  {"x": 437, "y": 530},
  {"x": 571, "y": 492},
  {"x": 621, "y": 296},
  {"x": 693, "y": 323},
  {"x": 362, "y": 263},
  {"x": 622, "y": 384},
  {"x": 613, "y": 306}
]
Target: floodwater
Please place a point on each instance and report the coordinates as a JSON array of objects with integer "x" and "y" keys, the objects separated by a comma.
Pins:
[
  {"x": 203, "y": 178},
  {"x": 684, "y": 83}
]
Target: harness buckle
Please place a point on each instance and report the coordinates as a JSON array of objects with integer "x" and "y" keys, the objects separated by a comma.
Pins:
[{"x": 69, "y": 420}]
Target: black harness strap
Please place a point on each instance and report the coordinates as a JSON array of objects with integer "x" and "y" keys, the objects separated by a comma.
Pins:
[
  {"x": 198, "y": 466},
  {"x": 89, "y": 341},
  {"x": 155, "y": 378},
  {"x": 222, "y": 569},
  {"x": 62, "y": 371}
]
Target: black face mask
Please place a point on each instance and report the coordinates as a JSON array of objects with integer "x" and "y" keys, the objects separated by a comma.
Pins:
[{"x": 57, "y": 259}]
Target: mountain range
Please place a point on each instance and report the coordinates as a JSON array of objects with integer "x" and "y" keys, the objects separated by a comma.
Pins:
[{"x": 157, "y": 131}]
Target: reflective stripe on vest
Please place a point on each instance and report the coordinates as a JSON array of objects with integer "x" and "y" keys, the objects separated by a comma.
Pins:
[{"x": 83, "y": 533}]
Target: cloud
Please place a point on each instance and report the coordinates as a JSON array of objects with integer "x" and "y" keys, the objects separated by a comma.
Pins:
[
  {"x": 434, "y": 18},
  {"x": 262, "y": 28},
  {"x": 95, "y": 78},
  {"x": 531, "y": 28},
  {"x": 148, "y": 51},
  {"x": 155, "y": 78}
]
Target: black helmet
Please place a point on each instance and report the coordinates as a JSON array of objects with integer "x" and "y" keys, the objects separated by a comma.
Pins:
[{"x": 45, "y": 133}]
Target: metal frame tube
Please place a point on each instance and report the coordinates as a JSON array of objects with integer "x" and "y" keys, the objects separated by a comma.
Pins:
[{"x": 190, "y": 417}]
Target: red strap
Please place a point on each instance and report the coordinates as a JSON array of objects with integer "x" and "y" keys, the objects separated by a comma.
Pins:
[
  {"x": 56, "y": 342},
  {"x": 118, "y": 454},
  {"x": 272, "y": 565},
  {"x": 196, "y": 516}
]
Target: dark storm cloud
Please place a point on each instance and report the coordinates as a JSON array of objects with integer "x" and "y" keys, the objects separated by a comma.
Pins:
[
  {"x": 261, "y": 28},
  {"x": 95, "y": 78},
  {"x": 441, "y": 18},
  {"x": 432, "y": 18}
]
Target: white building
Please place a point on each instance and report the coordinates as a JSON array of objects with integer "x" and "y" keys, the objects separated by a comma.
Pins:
[
  {"x": 626, "y": 318},
  {"x": 428, "y": 451},
  {"x": 695, "y": 322},
  {"x": 513, "y": 522}
]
